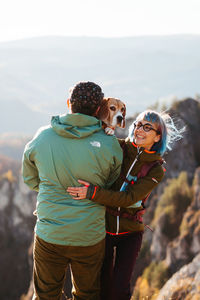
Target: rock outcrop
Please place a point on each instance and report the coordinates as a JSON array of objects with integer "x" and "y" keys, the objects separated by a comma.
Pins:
[
  {"x": 187, "y": 244},
  {"x": 185, "y": 155},
  {"x": 184, "y": 284},
  {"x": 17, "y": 204}
]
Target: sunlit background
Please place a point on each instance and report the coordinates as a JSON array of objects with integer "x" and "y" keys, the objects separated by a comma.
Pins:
[
  {"x": 139, "y": 51},
  {"x": 106, "y": 18}
]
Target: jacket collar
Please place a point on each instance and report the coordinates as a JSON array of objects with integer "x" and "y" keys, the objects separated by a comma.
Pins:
[
  {"x": 146, "y": 155},
  {"x": 143, "y": 149}
]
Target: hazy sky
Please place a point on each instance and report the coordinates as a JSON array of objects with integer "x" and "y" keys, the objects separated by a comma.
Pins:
[{"x": 106, "y": 18}]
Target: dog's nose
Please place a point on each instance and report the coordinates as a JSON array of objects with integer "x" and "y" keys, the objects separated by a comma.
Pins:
[{"x": 119, "y": 119}]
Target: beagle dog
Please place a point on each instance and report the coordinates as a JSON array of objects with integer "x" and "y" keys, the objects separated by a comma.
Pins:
[{"x": 112, "y": 113}]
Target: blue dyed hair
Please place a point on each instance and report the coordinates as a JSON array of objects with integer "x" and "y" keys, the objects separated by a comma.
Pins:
[{"x": 169, "y": 133}]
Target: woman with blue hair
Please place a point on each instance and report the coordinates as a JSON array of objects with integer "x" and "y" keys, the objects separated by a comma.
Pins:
[{"x": 150, "y": 135}]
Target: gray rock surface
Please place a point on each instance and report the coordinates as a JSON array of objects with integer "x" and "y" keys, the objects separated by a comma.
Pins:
[
  {"x": 184, "y": 284},
  {"x": 17, "y": 204}
]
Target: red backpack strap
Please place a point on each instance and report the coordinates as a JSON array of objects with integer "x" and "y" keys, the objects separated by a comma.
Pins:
[{"x": 147, "y": 167}]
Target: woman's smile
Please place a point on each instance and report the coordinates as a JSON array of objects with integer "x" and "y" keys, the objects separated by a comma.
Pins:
[{"x": 145, "y": 138}]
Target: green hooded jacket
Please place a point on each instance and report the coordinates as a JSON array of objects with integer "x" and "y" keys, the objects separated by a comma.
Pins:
[
  {"x": 73, "y": 147},
  {"x": 136, "y": 192}
]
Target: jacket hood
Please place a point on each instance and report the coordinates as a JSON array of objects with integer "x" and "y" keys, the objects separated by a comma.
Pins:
[{"x": 75, "y": 125}]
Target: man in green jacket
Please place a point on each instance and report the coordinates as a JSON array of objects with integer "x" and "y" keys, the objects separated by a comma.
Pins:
[{"x": 68, "y": 231}]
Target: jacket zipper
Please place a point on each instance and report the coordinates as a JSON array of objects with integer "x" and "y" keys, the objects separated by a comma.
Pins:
[{"x": 131, "y": 167}]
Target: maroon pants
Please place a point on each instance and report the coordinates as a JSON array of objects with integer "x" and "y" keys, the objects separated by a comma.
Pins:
[{"x": 120, "y": 257}]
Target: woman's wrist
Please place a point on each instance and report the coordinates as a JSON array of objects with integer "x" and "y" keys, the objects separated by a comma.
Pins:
[{"x": 91, "y": 191}]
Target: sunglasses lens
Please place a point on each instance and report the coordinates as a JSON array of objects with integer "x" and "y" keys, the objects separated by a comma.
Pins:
[{"x": 147, "y": 128}]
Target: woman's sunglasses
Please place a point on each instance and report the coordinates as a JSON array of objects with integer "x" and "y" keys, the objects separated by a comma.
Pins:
[{"x": 146, "y": 127}]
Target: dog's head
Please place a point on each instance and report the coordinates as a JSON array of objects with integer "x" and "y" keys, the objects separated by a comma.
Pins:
[{"x": 112, "y": 112}]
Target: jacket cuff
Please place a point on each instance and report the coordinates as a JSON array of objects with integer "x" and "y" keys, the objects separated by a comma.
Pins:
[{"x": 91, "y": 191}]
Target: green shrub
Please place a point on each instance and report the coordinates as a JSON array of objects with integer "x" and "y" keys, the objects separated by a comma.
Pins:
[
  {"x": 156, "y": 274},
  {"x": 173, "y": 203}
]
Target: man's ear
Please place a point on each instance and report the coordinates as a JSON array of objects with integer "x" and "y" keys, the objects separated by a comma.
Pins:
[{"x": 69, "y": 105}]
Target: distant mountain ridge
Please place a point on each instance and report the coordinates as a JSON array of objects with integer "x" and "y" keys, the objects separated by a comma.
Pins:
[{"x": 36, "y": 73}]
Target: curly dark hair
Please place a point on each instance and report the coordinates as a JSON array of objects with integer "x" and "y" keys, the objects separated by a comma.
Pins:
[{"x": 86, "y": 97}]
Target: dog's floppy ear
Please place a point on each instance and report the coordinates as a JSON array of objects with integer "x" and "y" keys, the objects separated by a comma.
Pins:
[
  {"x": 124, "y": 117},
  {"x": 103, "y": 112}
]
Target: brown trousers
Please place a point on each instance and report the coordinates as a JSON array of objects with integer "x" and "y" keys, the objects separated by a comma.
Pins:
[{"x": 51, "y": 262}]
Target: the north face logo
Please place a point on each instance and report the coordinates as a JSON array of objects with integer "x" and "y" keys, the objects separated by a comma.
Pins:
[{"x": 95, "y": 144}]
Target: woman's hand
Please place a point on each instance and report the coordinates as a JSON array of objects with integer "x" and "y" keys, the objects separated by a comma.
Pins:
[{"x": 78, "y": 193}]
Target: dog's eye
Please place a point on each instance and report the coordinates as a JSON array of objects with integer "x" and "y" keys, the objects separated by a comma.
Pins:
[
  {"x": 122, "y": 109},
  {"x": 113, "y": 108}
]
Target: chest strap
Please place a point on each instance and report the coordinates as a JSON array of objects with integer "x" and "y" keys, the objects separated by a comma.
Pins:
[{"x": 137, "y": 217}]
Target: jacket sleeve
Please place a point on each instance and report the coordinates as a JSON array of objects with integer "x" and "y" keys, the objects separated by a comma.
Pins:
[
  {"x": 30, "y": 172},
  {"x": 137, "y": 191},
  {"x": 115, "y": 164}
]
